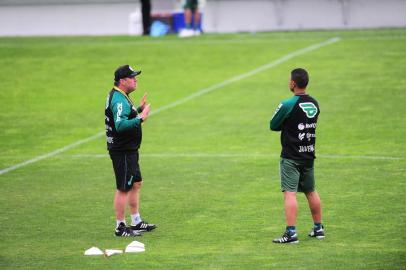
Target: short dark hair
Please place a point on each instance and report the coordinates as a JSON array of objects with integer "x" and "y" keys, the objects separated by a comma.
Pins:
[
  {"x": 300, "y": 77},
  {"x": 116, "y": 83}
]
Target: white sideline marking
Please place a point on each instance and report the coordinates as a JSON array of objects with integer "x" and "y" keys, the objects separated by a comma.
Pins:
[
  {"x": 233, "y": 155},
  {"x": 185, "y": 99},
  {"x": 51, "y": 154}
]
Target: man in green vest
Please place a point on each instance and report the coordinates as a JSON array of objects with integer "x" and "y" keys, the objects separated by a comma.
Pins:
[
  {"x": 124, "y": 135},
  {"x": 296, "y": 118}
]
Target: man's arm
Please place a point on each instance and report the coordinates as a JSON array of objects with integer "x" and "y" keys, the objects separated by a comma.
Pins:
[
  {"x": 282, "y": 112},
  {"x": 278, "y": 118},
  {"x": 121, "y": 111}
]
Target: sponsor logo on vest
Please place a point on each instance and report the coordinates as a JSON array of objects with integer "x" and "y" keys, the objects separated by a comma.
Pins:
[
  {"x": 306, "y": 148},
  {"x": 309, "y": 136},
  {"x": 110, "y": 140},
  {"x": 301, "y": 136},
  {"x": 119, "y": 111},
  {"x": 302, "y": 126},
  {"x": 309, "y": 108}
]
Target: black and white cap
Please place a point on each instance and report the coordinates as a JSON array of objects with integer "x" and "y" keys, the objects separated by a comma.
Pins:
[{"x": 125, "y": 71}]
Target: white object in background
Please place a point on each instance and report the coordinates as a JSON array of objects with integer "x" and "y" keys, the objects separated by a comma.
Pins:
[
  {"x": 93, "y": 251},
  {"x": 109, "y": 252},
  {"x": 184, "y": 33},
  {"x": 135, "y": 23},
  {"x": 134, "y": 247}
]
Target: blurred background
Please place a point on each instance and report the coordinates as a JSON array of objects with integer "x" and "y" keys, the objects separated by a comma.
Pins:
[
  {"x": 122, "y": 17},
  {"x": 209, "y": 161}
]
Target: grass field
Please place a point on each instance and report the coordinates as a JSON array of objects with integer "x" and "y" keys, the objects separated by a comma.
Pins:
[{"x": 210, "y": 164}]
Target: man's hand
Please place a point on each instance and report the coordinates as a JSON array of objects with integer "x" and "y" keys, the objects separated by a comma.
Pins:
[
  {"x": 143, "y": 101},
  {"x": 145, "y": 112}
]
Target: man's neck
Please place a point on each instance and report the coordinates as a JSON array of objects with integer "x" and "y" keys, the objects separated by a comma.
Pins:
[
  {"x": 120, "y": 89},
  {"x": 299, "y": 91}
]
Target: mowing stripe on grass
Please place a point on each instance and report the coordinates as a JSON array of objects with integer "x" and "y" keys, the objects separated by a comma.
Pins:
[
  {"x": 233, "y": 155},
  {"x": 185, "y": 99}
]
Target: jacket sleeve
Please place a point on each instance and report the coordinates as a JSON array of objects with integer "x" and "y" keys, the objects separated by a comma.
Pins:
[
  {"x": 281, "y": 113},
  {"x": 121, "y": 111}
]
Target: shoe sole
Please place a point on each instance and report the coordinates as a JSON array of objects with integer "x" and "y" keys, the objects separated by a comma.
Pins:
[
  {"x": 137, "y": 234},
  {"x": 293, "y": 242},
  {"x": 143, "y": 230},
  {"x": 319, "y": 237}
]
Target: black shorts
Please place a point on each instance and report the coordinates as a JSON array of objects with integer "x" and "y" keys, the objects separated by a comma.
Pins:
[
  {"x": 193, "y": 5},
  {"x": 126, "y": 169}
]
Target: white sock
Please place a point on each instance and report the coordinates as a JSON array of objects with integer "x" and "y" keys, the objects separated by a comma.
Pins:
[
  {"x": 135, "y": 219},
  {"x": 118, "y": 222}
]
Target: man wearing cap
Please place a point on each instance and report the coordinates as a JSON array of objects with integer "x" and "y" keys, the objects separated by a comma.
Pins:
[{"x": 123, "y": 130}]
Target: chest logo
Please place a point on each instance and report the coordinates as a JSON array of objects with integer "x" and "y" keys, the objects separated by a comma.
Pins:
[{"x": 309, "y": 108}]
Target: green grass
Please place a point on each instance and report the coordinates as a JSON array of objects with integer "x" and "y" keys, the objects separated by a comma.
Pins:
[{"x": 210, "y": 165}]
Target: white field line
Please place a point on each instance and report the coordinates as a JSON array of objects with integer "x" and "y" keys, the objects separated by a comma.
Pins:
[
  {"x": 185, "y": 99},
  {"x": 248, "y": 74},
  {"x": 51, "y": 154},
  {"x": 233, "y": 155}
]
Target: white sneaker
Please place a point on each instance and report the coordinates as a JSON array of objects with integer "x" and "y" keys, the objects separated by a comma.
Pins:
[
  {"x": 186, "y": 33},
  {"x": 197, "y": 32}
]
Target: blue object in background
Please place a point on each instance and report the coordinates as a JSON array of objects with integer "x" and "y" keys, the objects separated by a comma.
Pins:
[
  {"x": 178, "y": 22},
  {"x": 159, "y": 29}
]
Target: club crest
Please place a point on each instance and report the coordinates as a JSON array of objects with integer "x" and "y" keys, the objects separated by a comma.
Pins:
[{"x": 309, "y": 108}]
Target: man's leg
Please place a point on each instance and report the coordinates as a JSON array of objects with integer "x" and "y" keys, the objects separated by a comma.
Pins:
[
  {"x": 315, "y": 208},
  {"x": 146, "y": 16},
  {"x": 120, "y": 199},
  {"x": 134, "y": 201},
  {"x": 313, "y": 199},
  {"x": 196, "y": 21},
  {"x": 289, "y": 182},
  {"x": 290, "y": 208},
  {"x": 134, "y": 198},
  {"x": 188, "y": 30},
  {"x": 188, "y": 18}
]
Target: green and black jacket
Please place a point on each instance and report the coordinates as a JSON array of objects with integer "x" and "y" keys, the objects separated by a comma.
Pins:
[
  {"x": 123, "y": 127},
  {"x": 297, "y": 117}
]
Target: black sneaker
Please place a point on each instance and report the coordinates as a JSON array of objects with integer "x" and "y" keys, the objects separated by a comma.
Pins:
[
  {"x": 318, "y": 233},
  {"x": 143, "y": 226},
  {"x": 123, "y": 230},
  {"x": 287, "y": 238}
]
